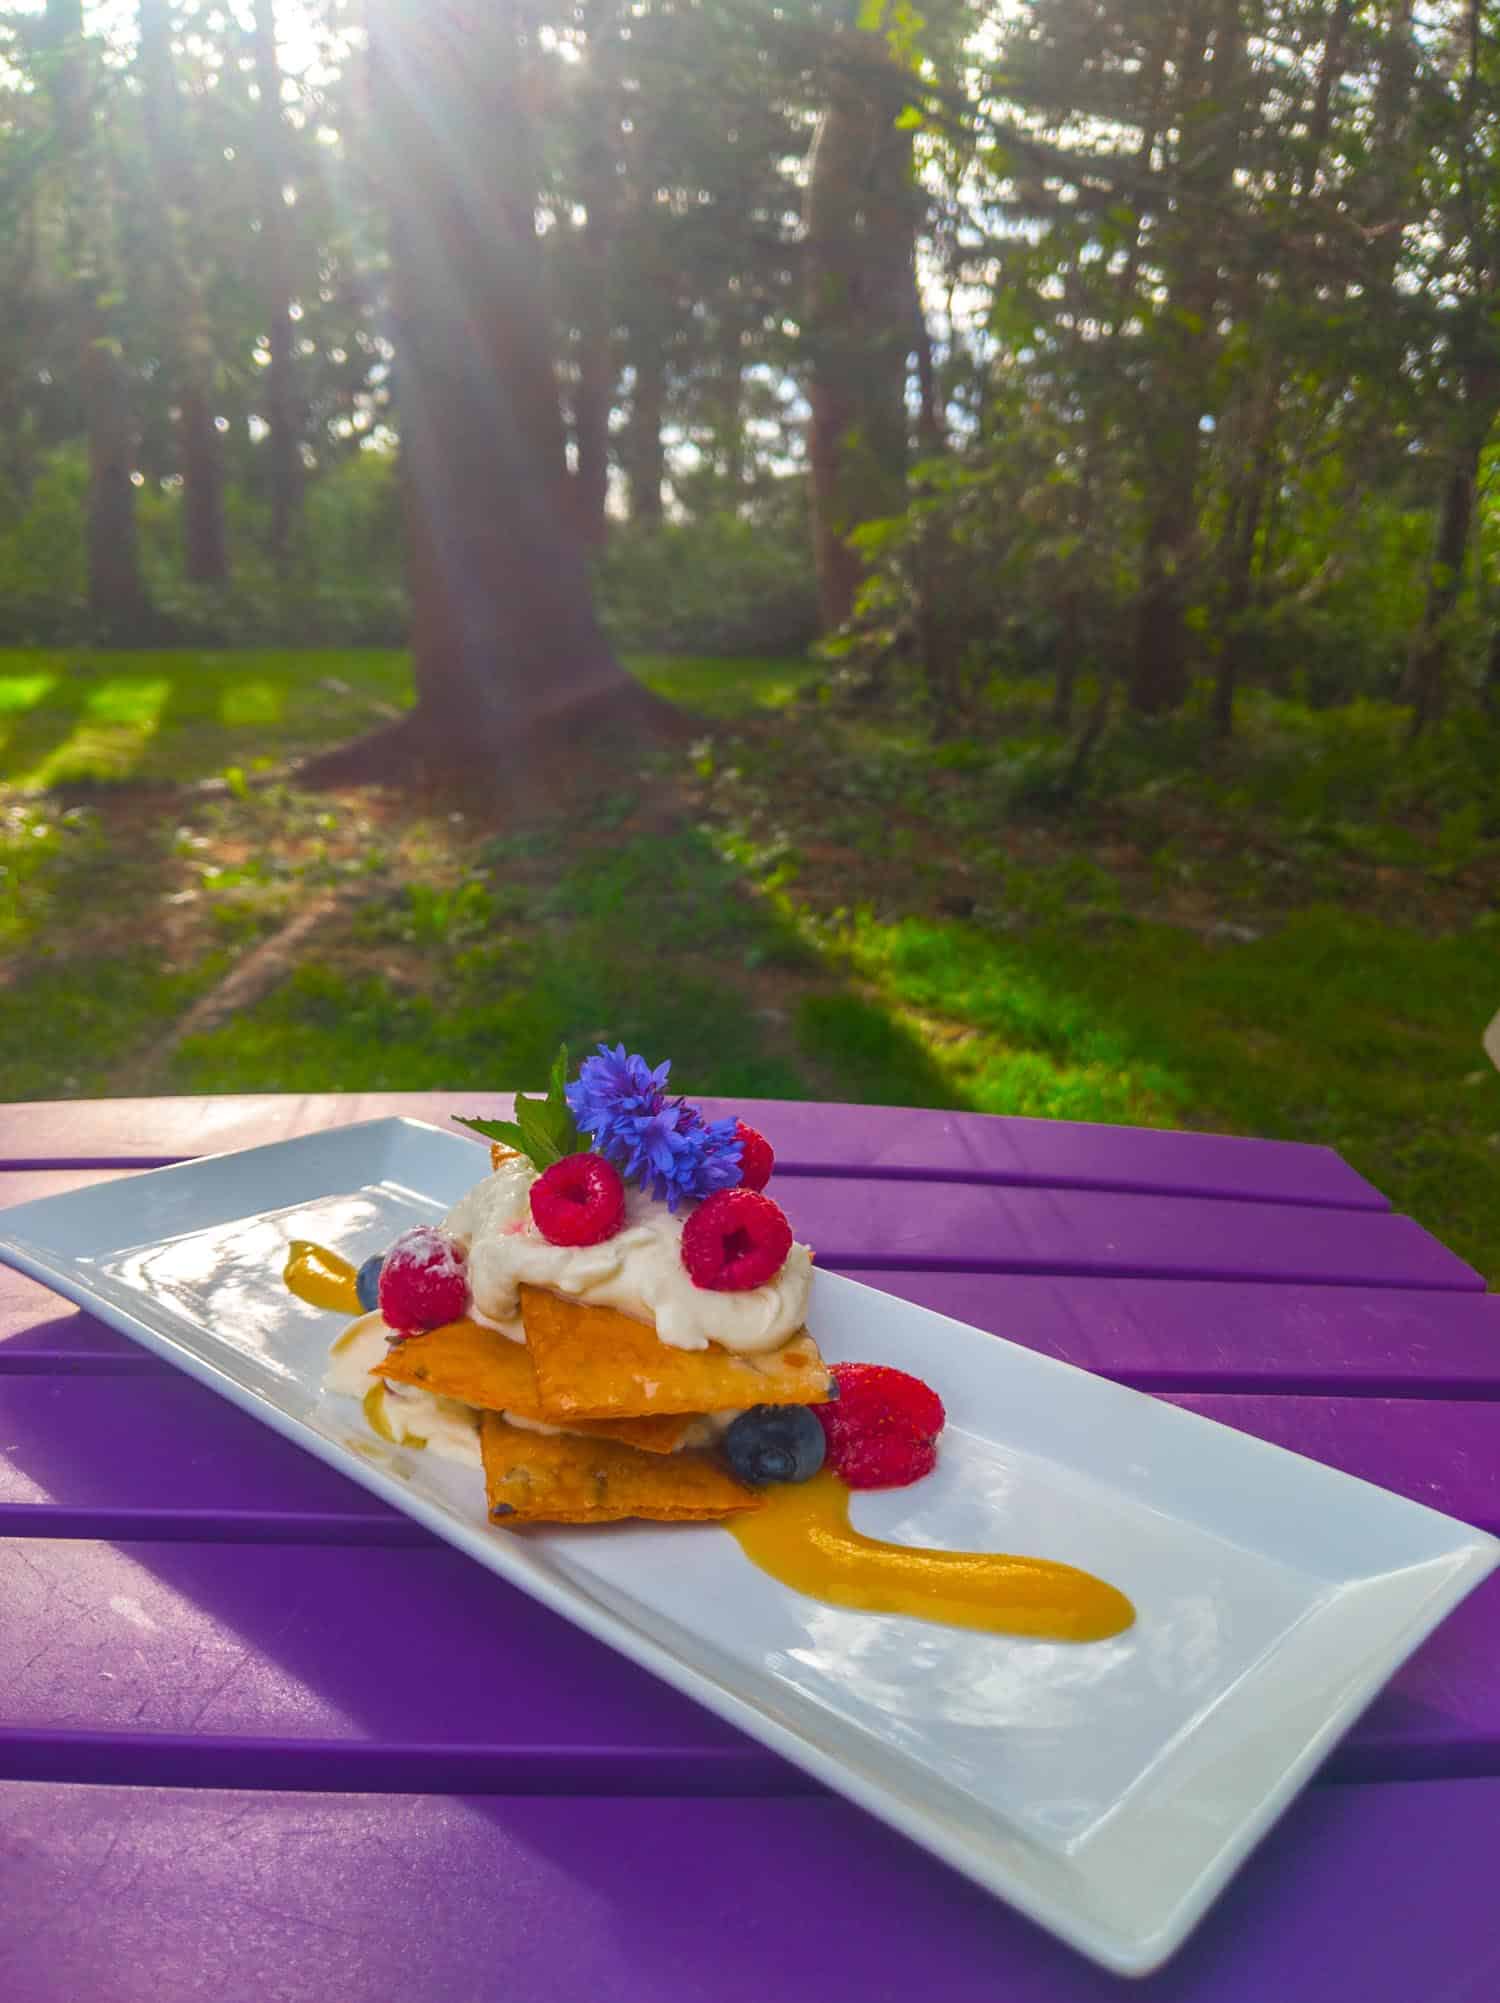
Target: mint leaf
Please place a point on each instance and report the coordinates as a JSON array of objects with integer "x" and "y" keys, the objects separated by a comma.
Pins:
[
  {"x": 506, "y": 1132},
  {"x": 544, "y": 1128},
  {"x": 542, "y": 1142}
]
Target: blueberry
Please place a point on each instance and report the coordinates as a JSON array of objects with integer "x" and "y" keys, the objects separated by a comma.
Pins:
[
  {"x": 367, "y": 1282},
  {"x": 775, "y": 1443}
]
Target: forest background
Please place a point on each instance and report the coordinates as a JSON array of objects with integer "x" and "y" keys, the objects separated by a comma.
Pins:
[{"x": 946, "y": 557}]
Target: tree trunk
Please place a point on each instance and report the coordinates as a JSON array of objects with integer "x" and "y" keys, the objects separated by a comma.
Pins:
[
  {"x": 1426, "y": 682},
  {"x": 119, "y": 609},
  {"x": 1159, "y": 670},
  {"x": 598, "y": 110},
  {"x": 1489, "y": 693},
  {"x": 205, "y": 550},
  {"x": 592, "y": 396},
  {"x": 1160, "y": 666},
  {"x": 517, "y": 687},
  {"x": 730, "y": 438},
  {"x": 861, "y": 224},
  {"x": 930, "y": 436},
  {"x": 1239, "y": 584},
  {"x": 646, "y": 464},
  {"x": 283, "y": 439}
]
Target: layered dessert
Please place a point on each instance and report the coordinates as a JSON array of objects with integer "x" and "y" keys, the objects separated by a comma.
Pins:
[{"x": 612, "y": 1322}]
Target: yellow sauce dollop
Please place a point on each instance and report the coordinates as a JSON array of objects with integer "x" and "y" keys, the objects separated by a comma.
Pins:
[
  {"x": 320, "y": 1277},
  {"x": 803, "y": 1537}
]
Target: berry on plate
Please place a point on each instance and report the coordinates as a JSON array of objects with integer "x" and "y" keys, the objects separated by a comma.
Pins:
[
  {"x": 757, "y": 1158},
  {"x": 775, "y": 1443},
  {"x": 734, "y": 1240},
  {"x": 580, "y": 1200},
  {"x": 882, "y": 1427},
  {"x": 422, "y": 1281},
  {"x": 367, "y": 1282}
]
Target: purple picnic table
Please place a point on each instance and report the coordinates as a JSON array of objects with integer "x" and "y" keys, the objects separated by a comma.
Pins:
[{"x": 262, "y": 1737}]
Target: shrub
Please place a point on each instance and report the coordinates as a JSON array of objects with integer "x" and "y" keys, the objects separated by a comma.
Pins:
[{"x": 723, "y": 584}]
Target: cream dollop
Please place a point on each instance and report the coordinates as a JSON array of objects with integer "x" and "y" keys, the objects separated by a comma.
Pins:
[
  {"x": 447, "y": 1428},
  {"x": 639, "y": 1270}
]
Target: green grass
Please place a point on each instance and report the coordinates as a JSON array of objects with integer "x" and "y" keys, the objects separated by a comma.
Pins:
[
  {"x": 794, "y": 934},
  {"x": 726, "y": 689},
  {"x": 69, "y": 719},
  {"x": 1335, "y": 1028},
  {"x": 81, "y": 719}
]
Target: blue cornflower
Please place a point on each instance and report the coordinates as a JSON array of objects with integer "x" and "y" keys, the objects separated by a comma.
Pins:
[{"x": 664, "y": 1145}]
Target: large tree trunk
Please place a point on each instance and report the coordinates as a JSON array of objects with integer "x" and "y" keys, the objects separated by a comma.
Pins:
[
  {"x": 119, "y": 610},
  {"x": 205, "y": 549},
  {"x": 516, "y": 684},
  {"x": 283, "y": 441},
  {"x": 857, "y": 333}
]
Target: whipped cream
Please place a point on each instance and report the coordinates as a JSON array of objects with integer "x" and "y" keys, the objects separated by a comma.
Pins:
[
  {"x": 447, "y": 1428},
  {"x": 639, "y": 1270}
]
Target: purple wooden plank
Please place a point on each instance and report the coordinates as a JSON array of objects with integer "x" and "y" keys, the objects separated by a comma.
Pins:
[
  {"x": 298, "y": 1665},
  {"x": 1444, "y": 1455},
  {"x": 1159, "y": 1335},
  {"x": 984, "y": 1227},
  {"x": 240, "y": 1664},
  {"x": 41, "y": 1331},
  {"x": 150, "y": 1895},
  {"x": 811, "y": 1138},
  {"x": 1211, "y": 1335},
  {"x": 891, "y": 1225},
  {"x": 151, "y": 1456},
  {"x": 160, "y": 1456}
]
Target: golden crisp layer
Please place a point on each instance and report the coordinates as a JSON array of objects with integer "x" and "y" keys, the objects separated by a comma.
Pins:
[
  {"x": 564, "y": 1478},
  {"x": 478, "y": 1366},
  {"x": 595, "y": 1363}
]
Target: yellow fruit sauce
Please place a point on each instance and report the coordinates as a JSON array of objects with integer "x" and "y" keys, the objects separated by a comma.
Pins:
[
  {"x": 320, "y": 1277},
  {"x": 804, "y": 1539}
]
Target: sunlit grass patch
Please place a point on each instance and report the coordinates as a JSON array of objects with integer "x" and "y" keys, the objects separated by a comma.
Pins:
[
  {"x": 1333, "y": 1028},
  {"x": 725, "y": 689}
]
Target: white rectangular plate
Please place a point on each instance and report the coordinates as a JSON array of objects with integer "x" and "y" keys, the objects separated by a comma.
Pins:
[{"x": 1109, "y": 1790}]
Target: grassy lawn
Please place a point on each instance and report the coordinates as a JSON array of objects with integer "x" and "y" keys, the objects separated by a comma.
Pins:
[{"x": 1300, "y": 939}]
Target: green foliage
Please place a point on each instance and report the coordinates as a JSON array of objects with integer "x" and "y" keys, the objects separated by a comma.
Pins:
[
  {"x": 544, "y": 1128},
  {"x": 39, "y": 850},
  {"x": 725, "y": 584},
  {"x": 43, "y": 585}
]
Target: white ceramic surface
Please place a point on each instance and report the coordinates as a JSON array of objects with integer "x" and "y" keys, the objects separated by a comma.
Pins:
[{"x": 1109, "y": 1790}]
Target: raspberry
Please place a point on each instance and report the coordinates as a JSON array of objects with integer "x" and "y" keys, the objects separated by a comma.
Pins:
[
  {"x": 422, "y": 1282},
  {"x": 883, "y": 1460},
  {"x": 580, "y": 1200},
  {"x": 882, "y": 1430},
  {"x": 756, "y": 1157},
  {"x": 735, "y": 1239}
]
